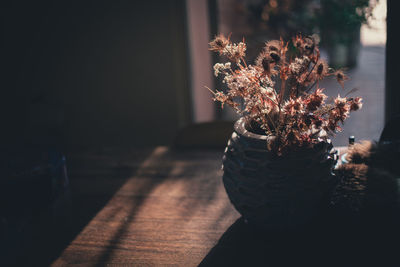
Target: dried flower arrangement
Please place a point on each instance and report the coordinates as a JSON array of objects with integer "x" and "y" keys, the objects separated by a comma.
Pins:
[{"x": 280, "y": 94}]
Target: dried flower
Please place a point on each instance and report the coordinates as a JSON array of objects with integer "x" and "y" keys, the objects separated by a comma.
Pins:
[
  {"x": 308, "y": 45},
  {"x": 218, "y": 68},
  {"x": 340, "y": 77},
  {"x": 298, "y": 41},
  {"x": 278, "y": 93},
  {"x": 355, "y": 104},
  {"x": 341, "y": 110},
  {"x": 321, "y": 69},
  {"x": 305, "y": 45},
  {"x": 266, "y": 63},
  {"x": 293, "y": 106},
  {"x": 273, "y": 45},
  {"x": 235, "y": 52},
  {"x": 315, "y": 100},
  {"x": 299, "y": 65},
  {"x": 219, "y": 43}
]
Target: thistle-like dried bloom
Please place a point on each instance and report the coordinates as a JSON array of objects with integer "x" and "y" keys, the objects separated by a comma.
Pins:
[
  {"x": 342, "y": 108},
  {"x": 299, "y": 65},
  {"x": 273, "y": 45},
  {"x": 219, "y": 43},
  {"x": 309, "y": 45},
  {"x": 340, "y": 77},
  {"x": 321, "y": 69},
  {"x": 315, "y": 100},
  {"x": 306, "y": 45},
  {"x": 293, "y": 106},
  {"x": 266, "y": 63}
]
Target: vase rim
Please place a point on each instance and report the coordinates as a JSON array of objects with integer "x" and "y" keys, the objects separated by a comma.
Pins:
[{"x": 240, "y": 128}]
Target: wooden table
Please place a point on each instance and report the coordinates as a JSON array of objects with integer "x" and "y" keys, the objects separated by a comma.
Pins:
[
  {"x": 166, "y": 208},
  {"x": 160, "y": 207}
]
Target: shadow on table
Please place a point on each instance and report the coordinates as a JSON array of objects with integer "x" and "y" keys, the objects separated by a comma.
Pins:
[
  {"x": 95, "y": 176},
  {"x": 320, "y": 244}
]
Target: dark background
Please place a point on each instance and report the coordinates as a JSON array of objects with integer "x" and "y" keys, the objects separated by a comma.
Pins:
[{"x": 93, "y": 73}]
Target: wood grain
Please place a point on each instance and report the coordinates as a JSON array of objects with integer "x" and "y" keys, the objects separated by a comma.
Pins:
[{"x": 170, "y": 211}]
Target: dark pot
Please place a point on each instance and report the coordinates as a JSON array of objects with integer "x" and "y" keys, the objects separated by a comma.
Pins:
[{"x": 275, "y": 191}]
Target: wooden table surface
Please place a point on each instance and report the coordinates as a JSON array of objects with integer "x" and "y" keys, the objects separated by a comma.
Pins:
[
  {"x": 163, "y": 207},
  {"x": 166, "y": 208}
]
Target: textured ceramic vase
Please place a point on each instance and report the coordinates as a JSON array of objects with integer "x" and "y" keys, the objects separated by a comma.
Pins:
[{"x": 275, "y": 191}]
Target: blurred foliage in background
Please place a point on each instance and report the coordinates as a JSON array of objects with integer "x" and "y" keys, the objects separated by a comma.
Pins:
[
  {"x": 283, "y": 18},
  {"x": 337, "y": 22},
  {"x": 344, "y": 14},
  {"x": 287, "y": 17}
]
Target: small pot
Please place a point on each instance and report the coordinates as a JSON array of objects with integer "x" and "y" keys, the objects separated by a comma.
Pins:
[{"x": 275, "y": 191}]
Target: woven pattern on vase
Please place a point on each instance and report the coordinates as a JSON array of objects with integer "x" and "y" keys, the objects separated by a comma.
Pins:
[{"x": 273, "y": 191}]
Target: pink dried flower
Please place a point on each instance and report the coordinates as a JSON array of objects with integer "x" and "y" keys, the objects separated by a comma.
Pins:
[
  {"x": 293, "y": 106},
  {"x": 315, "y": 100}
]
